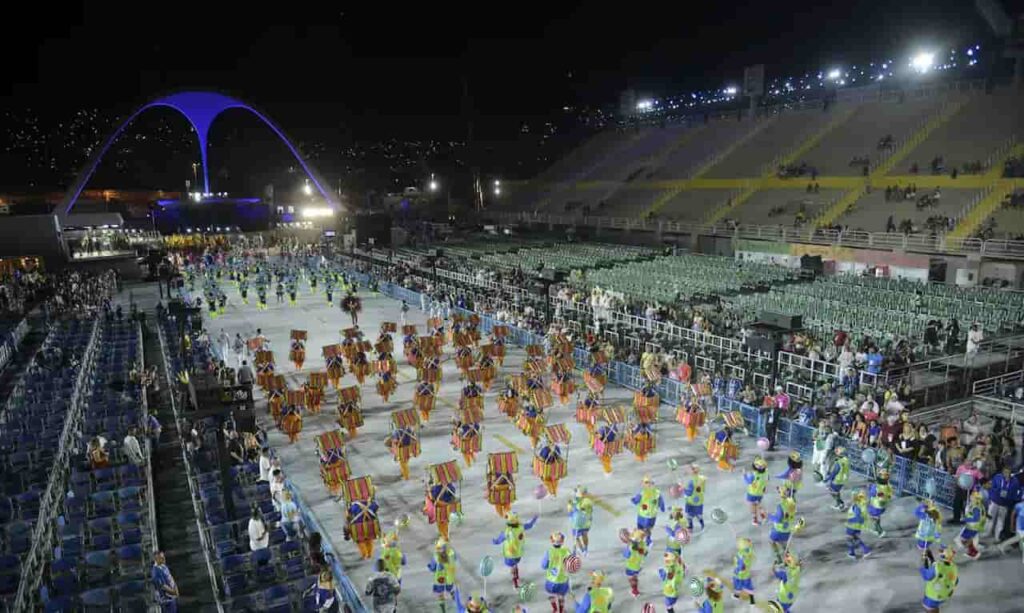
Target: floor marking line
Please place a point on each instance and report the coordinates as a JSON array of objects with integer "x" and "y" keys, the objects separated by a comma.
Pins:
[
  {"x": 509, "y": 444},
  {"x": 604, "y": 505}
]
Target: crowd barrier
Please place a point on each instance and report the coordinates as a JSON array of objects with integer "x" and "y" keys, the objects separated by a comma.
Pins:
[{"x": 907, "y": 476}]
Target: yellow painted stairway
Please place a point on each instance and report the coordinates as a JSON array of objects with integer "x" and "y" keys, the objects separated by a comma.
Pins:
[
  {"x": 719, "y": 213},
  {"x": 810, "y": 142},
  {"x": 836, "y": 209},
  {"x": 937, "y": 121},
  {"x": 971, "y": 222},
  {"x": 661, "y": 200}
]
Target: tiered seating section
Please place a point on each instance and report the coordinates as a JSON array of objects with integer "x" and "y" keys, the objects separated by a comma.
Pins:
[
  {"x": 276, "y": 579},
  {"x": 103, "y": 546},
  {"x": 920, "y": 137}
]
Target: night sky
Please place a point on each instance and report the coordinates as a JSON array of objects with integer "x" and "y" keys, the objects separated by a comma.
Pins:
[
  {"x": 340, "y": 75},
  {"x": 380, "y": 71}
]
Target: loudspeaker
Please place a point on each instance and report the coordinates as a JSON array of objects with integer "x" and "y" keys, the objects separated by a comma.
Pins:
[{"x": 786, "y": 322}]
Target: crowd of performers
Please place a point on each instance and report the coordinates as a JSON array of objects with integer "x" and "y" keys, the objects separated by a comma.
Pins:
[{"x": 528, "y": 400}]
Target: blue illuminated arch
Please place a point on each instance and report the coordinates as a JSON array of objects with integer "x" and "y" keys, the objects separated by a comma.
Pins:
[{"x": 200, "y": 109}]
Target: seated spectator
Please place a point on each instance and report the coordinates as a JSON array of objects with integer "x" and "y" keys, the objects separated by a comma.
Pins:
[{"x": 97, "y": 453}]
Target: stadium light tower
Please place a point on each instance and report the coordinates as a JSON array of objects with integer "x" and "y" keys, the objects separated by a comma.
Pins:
[
  {"x": 834, "y": 74},
  {"x": 307, "y": 189},
  {"x": 433, "y": 185},
  {"x": 922, "y": 62}
]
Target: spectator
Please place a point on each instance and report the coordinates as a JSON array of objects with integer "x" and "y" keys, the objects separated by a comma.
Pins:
[
  {"x": 290, "y": 520},
  {"x": 1018, "y": 523},
  {"x": 315, "y": 549},
  {"x": 277, "y": 487},
  {"x": 164, "y": 587},
  {"x": 1004, "y": 492},
  {"x": 132, "y": 448},
  {"x": 960, "y": 497},
  {"x": 383, "y": 587},
  {"x": 245, "y": 375},
  {"x": 970, "y": 430},
  {"x": 264, "y": 464},
  {"x": 97, "y": 453},
  {"x": 259, "y": 535},
  {"x": 235, "y": 448}
]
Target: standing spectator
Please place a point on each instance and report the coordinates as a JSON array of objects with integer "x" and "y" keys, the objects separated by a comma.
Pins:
[
  {"x": 970, "y": 430},
  {"x": 166, "y": 590},
  {"x": 771, "y": 413},
  {"x": 1018, "y": 523},
  {"x": 1004, "y": 492},
  {"x": 315, "y": 549},
  {"x": 264, "y": 463},
  {"x": 384, "y": 588},
  {"x": 259, "y": 535},
  {"x": 289, "y": 516},
  {"x": 960, "y": 497},
  {"x": 245, "y": 375},
  {"x": 235, "y": 448},
  {"x": 974, "y": 338},
  {"x": 132, "y": 448},
  {"x": 238, "y": 346},
  {"x": 277, "y": 488}
]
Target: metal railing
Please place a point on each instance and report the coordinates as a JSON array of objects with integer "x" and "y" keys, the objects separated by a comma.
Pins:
[
  {"x": 996, "y": 386},
  {"x": 919, "y": 243},
  {"x": 908, "y": 477}
]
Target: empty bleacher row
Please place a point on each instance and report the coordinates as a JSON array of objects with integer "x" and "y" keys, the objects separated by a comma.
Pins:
[
  {"x": 35, "y": 419},
  {"x": 103, "y": 537},
  {"x": 907, "y": 139}
]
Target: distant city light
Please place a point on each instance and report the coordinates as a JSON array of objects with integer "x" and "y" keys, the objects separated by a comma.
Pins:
[
  {"x": 923, "y": 62},
  {"x": 834, "y": 74},
  {"x": 731, "y": 90},
  {"x": 644, "y": 105}
]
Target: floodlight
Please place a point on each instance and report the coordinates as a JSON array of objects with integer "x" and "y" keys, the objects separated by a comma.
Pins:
[
  {"x": 307, "y": 189},
  {"x": 923, "y": 62},
  {"x": 834, "y": 74}
]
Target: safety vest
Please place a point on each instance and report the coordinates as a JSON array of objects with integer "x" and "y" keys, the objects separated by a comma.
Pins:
[
  {"x": 940, "y": 587},
  {"x": 717, "y": 606},
  {"x": 844, "y": 471},
  {"x": 852, "y": 522},
  {"x": 601, "y": 599},
  {"x": 979, "y": 524},
  {"x": 790, "y": 586},
  {"x": 636, "y": 558},
  {"x": 512, "y": 547},
  {"x": 788, "y": 506},
  {"x": 927, "y": 530},
  {"x": 883, "y": 494},
  {"x": 748, "y": 560},
  {"x": 648, "y": 505},
  {"x": 673, "y": 581},
  {"x": 556, "y": 565},
  {"x": 696, "y": 498},
  {"x": 581, "y": 513},
  {"x": 392, "y": 557},
  {"x": 444, "y": 573},
  {"x": 673, "y": 543},
  {"x": 759, "y": 484}
]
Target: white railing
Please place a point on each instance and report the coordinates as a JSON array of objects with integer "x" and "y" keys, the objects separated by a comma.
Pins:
[
  {"x": 850, "y": 238},
  {"x": 996, "y": 385}
]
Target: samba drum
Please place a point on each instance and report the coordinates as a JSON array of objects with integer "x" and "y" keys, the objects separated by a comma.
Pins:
[
  {"x": 501, "y": 470},
  {"x": 334, "y": 469}
]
